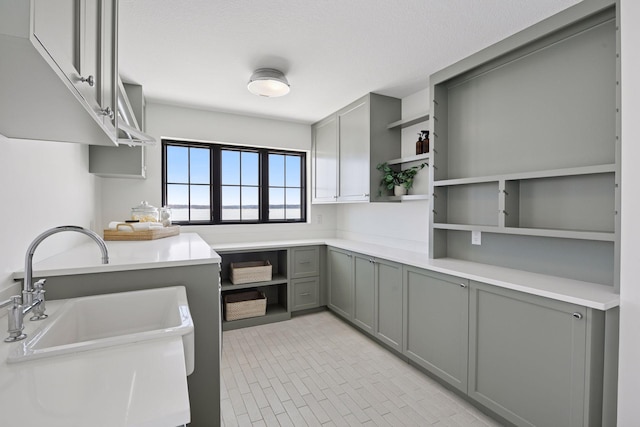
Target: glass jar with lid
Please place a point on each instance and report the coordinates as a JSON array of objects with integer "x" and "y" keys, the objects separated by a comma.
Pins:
[{"x": 144, "y": 212}]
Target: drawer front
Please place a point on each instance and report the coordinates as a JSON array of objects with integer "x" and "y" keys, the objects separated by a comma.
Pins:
[
  {"x": 306, "y": 262},
  {"x": 305, "y": 293}
]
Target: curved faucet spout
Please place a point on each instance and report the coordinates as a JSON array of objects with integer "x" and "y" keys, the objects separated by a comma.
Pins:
[{"x": 27, "y": 289}]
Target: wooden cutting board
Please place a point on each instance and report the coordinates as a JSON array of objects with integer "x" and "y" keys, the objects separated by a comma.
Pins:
[{"x": 152, "y": 234}]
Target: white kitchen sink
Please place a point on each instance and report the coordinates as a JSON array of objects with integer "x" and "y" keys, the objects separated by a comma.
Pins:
[{"x": 101, "y": 321}]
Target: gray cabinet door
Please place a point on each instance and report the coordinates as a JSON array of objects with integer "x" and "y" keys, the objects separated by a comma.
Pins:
[
  {"x": 305, "y": 262},
  {"x": 527, "y": 357},
  {"x": 340, "y": 265},
  {"x": 324, "y": 161},
  {"x": 436, "y": 328},
  {"x": 354, "y": 167},
  {"x": 305, "y": 293},
  {"x": 389, "y": 312},
  {"x": 364, "y": 292}
]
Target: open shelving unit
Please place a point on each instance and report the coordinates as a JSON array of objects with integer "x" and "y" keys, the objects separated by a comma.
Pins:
[
  {"x": 544, "y": 192},
  {"x": 276, "y": 290}
]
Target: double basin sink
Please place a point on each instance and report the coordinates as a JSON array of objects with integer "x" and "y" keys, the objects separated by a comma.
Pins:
[{"x": 109, "y": 320}]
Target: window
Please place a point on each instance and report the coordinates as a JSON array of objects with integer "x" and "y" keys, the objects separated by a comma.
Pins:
[{"x": 219, "y": 184}]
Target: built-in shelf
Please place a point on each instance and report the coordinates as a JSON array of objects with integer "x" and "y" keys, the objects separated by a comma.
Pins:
[
  {"x": 408, "y": 122},
  {"x": 584, "y": 170},
  {"x": 276, "y": 280},
  {"x": 409, "y": 159},
  {"x": 274, "y": 313},
  {"x": 405, "y": 198},
  {"x": 540, "y": 232}
]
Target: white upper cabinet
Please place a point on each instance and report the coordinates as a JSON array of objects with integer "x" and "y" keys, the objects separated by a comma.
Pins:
[{"x": 60, "y": 68}]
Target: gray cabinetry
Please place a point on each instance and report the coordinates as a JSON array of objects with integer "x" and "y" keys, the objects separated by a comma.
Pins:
[
  {"x": 65, "y": 53},
  {"x": 389, "y": 302},
  {"x": 436, "y": 328},
  {"x": 533, "y": 360},
  {"x": 324, "y": 161},
  {"x": 306, "y": 277},
  {"x": 340, "y": 266},
  {"x": 347, "y": 147},
  {"x": 364, "y": 292}
]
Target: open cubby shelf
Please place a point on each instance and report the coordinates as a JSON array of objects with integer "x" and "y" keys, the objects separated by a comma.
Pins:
[
  {"x": 541, "y": 232},
  {"x": 277, "y": 279}
]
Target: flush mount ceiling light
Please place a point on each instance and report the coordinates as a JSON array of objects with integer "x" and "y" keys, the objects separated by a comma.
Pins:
[{"x": 268, "y": 82}]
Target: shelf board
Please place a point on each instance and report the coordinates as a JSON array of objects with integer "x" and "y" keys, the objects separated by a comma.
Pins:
[
  {"x": 539, "y": 232},
  {"x": 405, "y": 198},
  {"x": 408, "y": 159},
  {"x": 274, "y": 313},
  {"x": 408, "y": 122},
  {"x": 583, "y": 170},
  {"x": 276, "y": 280}
]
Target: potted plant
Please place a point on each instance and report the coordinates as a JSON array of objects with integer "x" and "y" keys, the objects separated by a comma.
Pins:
[{"x": 400, "y": 181}]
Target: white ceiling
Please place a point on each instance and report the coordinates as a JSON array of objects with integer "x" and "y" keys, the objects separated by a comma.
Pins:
[{"x": 201, "y": 53}]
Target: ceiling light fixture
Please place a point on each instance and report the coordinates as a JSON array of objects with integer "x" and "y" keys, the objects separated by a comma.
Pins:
[{"x": 268, "y": 82}]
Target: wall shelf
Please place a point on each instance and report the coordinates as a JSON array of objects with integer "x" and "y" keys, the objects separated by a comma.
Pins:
[
  {"x": 540, "y": 232},
  {"x": 409, "y": 159},
  {"x": 408, "y": 122},
  {"x": 406, "y": 198}
]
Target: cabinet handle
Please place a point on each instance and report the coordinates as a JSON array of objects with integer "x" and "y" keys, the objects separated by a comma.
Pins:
[
  {"x": 306, "y": 294},
  {"x": 88, "y": 80},
  {"x": 350, "y": 256},
  {"x": 107, "y": 112},
  {"x": 365, "y": 195},
  {"x": 304, "y": 262},
  {"x": 463, "y": 285},
  {"x": 577, "y": 315}
]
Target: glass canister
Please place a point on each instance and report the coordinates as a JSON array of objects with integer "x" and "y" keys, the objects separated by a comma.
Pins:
[
  {"x": 144, "y": 212},
  {"x": 165, "y": 216}
]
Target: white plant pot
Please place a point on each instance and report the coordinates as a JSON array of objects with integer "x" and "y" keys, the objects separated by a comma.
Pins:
[{"x": 399, "y": 190}]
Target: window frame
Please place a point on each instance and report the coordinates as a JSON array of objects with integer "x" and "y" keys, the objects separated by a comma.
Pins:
[{"x": 215, "y": 193}]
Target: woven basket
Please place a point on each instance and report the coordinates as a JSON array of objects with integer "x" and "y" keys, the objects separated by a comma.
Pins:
[
  {"x": 244, "y": 305},
  {"x": 250, "y": 271}
]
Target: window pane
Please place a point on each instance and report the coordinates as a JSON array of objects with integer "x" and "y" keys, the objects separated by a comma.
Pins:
[
  {"x": 199, "y": 166},
  {"x": 293, "y": 208},
  {"x": 200, "y": 203},
  {"x": 230, "y": 167},
  {"x": 177, "y": 164},
  {"x": 276, "y": 203},
  {"x": 276, "y": 170},
  {"x": 250, "y": 202},
  {"x": 178, "y": 201},
  {"x": 230, "y": 203},
  {"x": 293, "y": 171},
  {"x": 250, "y": 168}
]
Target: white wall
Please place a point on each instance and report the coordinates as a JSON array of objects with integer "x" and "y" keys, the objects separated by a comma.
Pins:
[
  {"x": 119, "y": 195},
  {"x": 44, "y": 184},
  {"x": 629, "y": 362},
  {"x": 401, "y": 225}
]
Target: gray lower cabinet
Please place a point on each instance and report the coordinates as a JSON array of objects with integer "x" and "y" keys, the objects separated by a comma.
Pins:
[
  {"x": 340, "y": 277},
  {"x": 364, "y": 292},
  {"x": 388, "y": 303},
  {"x": 533, "y": 360},
  {"x": 436, "y": 324},
  {"x": 306, "y": 293}
]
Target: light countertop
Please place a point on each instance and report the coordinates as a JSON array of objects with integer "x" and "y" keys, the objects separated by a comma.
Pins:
[
  {"x": 183, "y": 249},
  {"x": 587, "y": 294},
  {"x": 142, "y": 384}
]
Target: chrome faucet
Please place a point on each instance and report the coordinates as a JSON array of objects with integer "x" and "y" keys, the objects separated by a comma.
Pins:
[{"x": 33, "y": 294}]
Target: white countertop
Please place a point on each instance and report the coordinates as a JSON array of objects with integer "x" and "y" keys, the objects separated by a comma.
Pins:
[
  {"x": 141, "y": 384},
  {"x": 587, "y": 294},
  {"x": 174, "y": 251}
]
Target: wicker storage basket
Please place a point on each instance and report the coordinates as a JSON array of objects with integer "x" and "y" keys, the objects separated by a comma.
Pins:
[
  {"x": 250, "y": 271},
  {"x": 244, "y": 305}
]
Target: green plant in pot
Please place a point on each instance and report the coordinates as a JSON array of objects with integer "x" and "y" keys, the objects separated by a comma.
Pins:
[{"x": 400, "y": 181}]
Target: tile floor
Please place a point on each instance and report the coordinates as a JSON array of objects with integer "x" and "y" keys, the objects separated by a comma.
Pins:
[{"x": 316, "y": 370}]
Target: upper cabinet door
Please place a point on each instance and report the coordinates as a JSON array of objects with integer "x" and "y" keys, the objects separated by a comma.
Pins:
[
  {"x": 325, "y": 161},
  {"x": 353, "y": 128}
]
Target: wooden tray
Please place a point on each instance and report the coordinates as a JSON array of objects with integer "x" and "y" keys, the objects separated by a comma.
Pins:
[{"x": 156, "y": 233}]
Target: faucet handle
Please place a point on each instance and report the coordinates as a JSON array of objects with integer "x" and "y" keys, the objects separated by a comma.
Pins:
[
  {"x": 15, "y": 319},
  {"x": 38, "y": 294}
]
